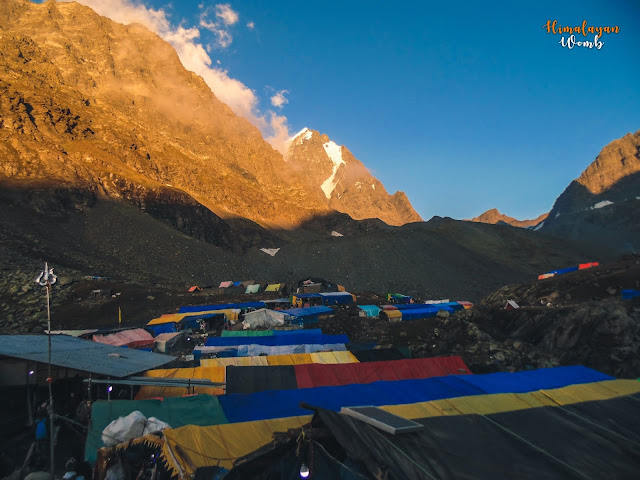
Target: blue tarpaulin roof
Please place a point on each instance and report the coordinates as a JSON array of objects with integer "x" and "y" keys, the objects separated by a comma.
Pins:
[
  {"x": 81, "y": 354},
  {"x": 370, "y": 310},
  {"x": 205, "y": 308},
  {"x": 316, "y": 331},
  {"x": 286, "y": 403},
  {"x": 299, "y": 339},
  {"x": 308, "y": 311}
]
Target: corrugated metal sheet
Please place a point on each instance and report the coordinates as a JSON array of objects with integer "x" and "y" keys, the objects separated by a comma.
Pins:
[{"x": 81, "y": 354}]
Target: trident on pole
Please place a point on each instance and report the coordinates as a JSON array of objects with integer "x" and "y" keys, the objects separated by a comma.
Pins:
[{"x": 46, "y": 279}]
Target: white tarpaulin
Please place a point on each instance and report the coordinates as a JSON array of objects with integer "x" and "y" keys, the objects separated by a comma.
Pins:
[
  {"x": 270, "y": 251},
  {"x": 132, "y": 426},
  {"x": 336, "y": 234},
  {"x": 263, "y": 318}
]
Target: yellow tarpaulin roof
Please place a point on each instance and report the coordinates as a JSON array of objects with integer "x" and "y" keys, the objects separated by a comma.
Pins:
[
  {"x": 392, "y": 313},
  {"x": 176, "y": 317},
  {"x": 215, "y": 374},
  {"x": 234, "y": 361},
  {"x": 274, "y": 287},
  {"x": 292, "y": 359},
  {"x": 222, "y": 444}
]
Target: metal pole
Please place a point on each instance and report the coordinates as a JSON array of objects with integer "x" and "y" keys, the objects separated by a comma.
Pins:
[
  {"x": 46, "y": 279},
  {"x": 50, "y": 381}
]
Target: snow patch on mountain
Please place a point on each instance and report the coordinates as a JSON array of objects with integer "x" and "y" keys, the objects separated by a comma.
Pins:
[
  {"x": 603, "y": 203},
  {"x": 334, "y": 152}
]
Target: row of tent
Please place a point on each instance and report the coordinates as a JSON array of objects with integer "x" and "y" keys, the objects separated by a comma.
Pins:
[
  {"x": 245, "y": 422},
  {"x": 562, "y": 271},
  {"x": 252, "y": 379}
]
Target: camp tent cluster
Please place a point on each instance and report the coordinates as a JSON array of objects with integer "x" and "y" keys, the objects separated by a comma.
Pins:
[
  {"x": 562, "y": 271},
  {"x": 274, "y": 391}
]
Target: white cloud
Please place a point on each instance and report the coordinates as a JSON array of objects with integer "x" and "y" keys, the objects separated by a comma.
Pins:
[
  {"x": 251, "y": 25},
  {"x": 225, "y": 13},
  {"x": 278, "y": 100},
  {"x": 225, "y": 17},
  {"x": 242, "y": 100}
]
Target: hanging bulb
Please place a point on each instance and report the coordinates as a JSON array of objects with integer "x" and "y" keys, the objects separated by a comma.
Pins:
[
  {"x": 304, "y": 471},
  {"x": 110, "y": 389}
]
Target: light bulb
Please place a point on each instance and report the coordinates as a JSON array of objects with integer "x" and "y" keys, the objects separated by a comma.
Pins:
[
  {"x": 31, "y": 372},
  {"x": 110, "y": 389},
  {"x": 304, "y": 471}
]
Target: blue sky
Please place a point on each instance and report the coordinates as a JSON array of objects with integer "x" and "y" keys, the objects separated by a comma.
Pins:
[{"x": 465, "y": 106}]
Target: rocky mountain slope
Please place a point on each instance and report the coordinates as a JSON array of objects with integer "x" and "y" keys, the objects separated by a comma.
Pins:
[
  {"x": 110, "y": 109},
  {"x": 494, "y": 216},
  {"x": 343, "y": 183},
  {"x": 603, "y": 204}
]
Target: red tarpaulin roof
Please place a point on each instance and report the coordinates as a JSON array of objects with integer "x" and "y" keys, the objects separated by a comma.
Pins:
[
  {"x": 320, "y": 375},
  {"x": 136, "y": 338}
]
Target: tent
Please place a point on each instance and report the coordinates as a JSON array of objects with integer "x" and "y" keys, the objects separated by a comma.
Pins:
[
  {"x": 255, "y": 288},
  {"x": 213, "y": 374},
  {"x": 308, "y": 314},
  {"x": 263, "y": 318},
  {"x": 195, "y": 288},
  {"x": 398, "y": 298},
  {"x": 394, "y": 315},
  {"x": 226, "y": 284},
  {"x": 194, "y": 410},
  {"x": 224, "y": 444},
  {"x": 511, "y": 305},
  {"x": 170, "y": 342},
  {"x": 629, "y": 294},
  {"x": 371, "y": 311},
  {"x": 337, "y": 298},
  {"x": 134, "y": 338},
  {"x": 274, "y": 287},
  {"x": 286, "y": 403},
  {"x": 274, "y": 340}
]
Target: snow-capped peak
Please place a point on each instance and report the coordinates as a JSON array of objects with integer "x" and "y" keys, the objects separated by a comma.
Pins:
[
  {"x": 334, "y": 152},
  {"x": 301, "y": 136}
]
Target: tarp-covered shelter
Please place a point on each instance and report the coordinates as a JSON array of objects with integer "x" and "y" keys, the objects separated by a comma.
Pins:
[
  {"x": 337, "y": 298},
  {"x": 134, "y": 338},
  {"x": 226, "y": 284},
  {"x": 223, "y": 444},
  {"x": 398, "y": 298},
  {"x": 630, "y": 293},
  {"x": 79, "y": 354},
  {"x": 370, "y": 311},
  {"x": 313, "y": 375},
  {"x": 272, "y": 340},
  {"x": 393, "y": 315},
  {"x": 170, "y": 342},
  {"x": 254, "y": 350},
  {"x": 264, "y": 318},
  {"x": 309, "y": 314},
  {"x": 531, "y": 443},
  {"x": 278, "y": 404},
  {"x": 274, "y": 287},
  {"x": 287, "y": 359},
  {"x": 254, "y": 288},
  {"x": 226, "y": 306},
  {"x": 193, "y": 410},
  {"x": 213, "y": 374},
  {"x": 309, "y": 299}
]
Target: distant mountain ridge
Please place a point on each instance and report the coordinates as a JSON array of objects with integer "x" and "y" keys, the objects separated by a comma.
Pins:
[
  {"x": 602, "y": 205},
  {"x": 343, "y": 182},
  {"x": 494, "y": 216}
]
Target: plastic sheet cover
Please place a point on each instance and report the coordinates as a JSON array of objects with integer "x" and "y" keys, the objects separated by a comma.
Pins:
[
  {"x": 309, "y": 376},
  {"x": 277, "y": 404},
  {"x": 275, "y": 340},
  {"x": 214, "y": 374}
]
